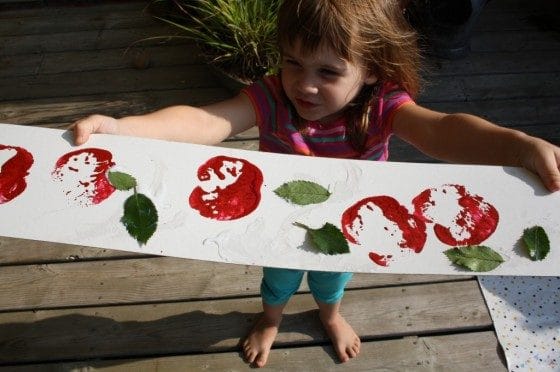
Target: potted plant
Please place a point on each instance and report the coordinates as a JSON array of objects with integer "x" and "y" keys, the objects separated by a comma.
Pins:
[
  {"x": 446, "y": 26},
  {"x": 237, "y": 38}
]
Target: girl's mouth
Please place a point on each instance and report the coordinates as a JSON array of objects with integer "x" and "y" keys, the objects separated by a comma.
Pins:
[{"x": 305, "y": 104}]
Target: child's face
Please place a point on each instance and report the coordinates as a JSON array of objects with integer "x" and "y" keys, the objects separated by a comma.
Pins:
[{"x": 321, "y": 84}]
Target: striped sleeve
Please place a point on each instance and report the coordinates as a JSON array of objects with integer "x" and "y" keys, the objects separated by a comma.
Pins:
[
  {"x": 276, "y": 131},
  {"x": 264, "y": 97},
  {"x": 391, "y": 97}
]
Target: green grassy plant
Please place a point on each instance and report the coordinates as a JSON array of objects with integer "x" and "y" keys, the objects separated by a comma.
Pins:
[{"x": 236, "y": 36}]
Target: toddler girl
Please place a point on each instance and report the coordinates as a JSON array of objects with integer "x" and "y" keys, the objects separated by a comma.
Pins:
[{"x": 349, "y": 74}]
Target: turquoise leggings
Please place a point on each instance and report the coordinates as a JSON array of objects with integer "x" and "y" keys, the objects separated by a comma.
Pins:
[{"x": 278, "y": 285}]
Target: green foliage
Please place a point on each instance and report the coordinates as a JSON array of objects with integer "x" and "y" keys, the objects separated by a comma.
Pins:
[
  {"x": 140, "y": 217},
  {"x": 140, "y": 214},
  {"x": 122, "y": 181},
  {"x": 475, "y": 258},
  {"x": 327, "y": 239},
  {"x": 238, "y": 37},
  {"x": 302, "y": 192},
  {"x": 537, "y": 243}
]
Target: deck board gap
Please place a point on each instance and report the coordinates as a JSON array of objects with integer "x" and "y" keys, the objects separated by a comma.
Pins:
[
  {"x": 69, "y": 260},
  {"x": 458, "y": 279}
]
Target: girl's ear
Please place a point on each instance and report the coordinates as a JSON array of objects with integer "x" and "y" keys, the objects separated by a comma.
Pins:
[{"x": 370, "y": 79}]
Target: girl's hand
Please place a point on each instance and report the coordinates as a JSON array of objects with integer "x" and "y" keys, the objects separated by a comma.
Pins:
[
  {"x": 93, "y": 124},
  {"x": 543, "y": 158}
]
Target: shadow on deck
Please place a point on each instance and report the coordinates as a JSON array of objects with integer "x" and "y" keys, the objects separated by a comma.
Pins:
[{"x": 67, "y": 307}]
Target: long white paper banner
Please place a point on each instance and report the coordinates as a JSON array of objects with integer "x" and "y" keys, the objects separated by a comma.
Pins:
[{"x": 398, "y": 217}]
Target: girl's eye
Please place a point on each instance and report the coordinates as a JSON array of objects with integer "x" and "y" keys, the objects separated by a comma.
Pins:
[
  {"x": 327, "y": 72},
  {"x": 291, "y": 62}
]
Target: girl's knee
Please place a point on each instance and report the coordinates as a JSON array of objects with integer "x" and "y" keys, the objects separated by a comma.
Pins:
[
  {"x": 278, "y": 285},
  {"x": 327, "y": 287}
]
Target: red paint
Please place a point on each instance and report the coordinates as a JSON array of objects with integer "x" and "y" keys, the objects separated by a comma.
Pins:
[
  {"x": 13, "y": 173},
  {"x": 84, "y": 173},
  {"x": 230, "y": 188},
  {"x": 476, "y": 219},
  {"x": 381, "y": 260},
  {"x": 413, "y": 229}
]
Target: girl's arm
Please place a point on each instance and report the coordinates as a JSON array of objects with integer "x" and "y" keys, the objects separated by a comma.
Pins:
[
  {"x": 464, "y": 138},
  {"x": 208, "y": 125}
]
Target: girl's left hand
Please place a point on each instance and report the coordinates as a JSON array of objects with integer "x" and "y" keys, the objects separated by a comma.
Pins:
[{"x": 543, "y": 158}]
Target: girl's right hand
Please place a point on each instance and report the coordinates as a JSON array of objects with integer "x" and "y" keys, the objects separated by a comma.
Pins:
[{"x": 93, "y": 124}]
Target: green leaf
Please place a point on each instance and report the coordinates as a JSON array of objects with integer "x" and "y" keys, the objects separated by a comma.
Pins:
[
  {"x": 303, "y": 192},
  {"x": 475, "y": 258},
  {"x": 537, "y": 243},
  {"x": 327, "y": 239},
  {"x": 122, "y": 181},
  {"x": 140, "y": 217}
]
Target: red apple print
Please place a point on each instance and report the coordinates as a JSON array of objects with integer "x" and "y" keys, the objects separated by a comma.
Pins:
[
  {"x": 229, "y": 189},
  {"x": 382, "y": 220},
  {"x": 15, "y": 163},
  {"x": 83, "y": 174},
  {"x": 460, "y": 217}
]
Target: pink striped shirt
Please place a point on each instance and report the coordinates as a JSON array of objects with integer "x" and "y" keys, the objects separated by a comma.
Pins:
[{"x": 277, "y": 132}]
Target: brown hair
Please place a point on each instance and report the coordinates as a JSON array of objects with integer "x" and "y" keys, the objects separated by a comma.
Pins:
[{"x": 373, "y": 33}]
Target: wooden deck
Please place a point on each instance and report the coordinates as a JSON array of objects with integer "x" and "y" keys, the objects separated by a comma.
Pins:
[{"x": 66, "y": 307}]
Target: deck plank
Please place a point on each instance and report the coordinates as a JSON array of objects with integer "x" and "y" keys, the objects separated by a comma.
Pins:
[
  {"x": 25, "y": 252},
  {"x": 94, "y": 82},
  {"x": 75, "y": 19},
  {"x": 442, "y": 353},
  {"x": 58, "y": 112},
  {"x": 59, "y": 10},
  {"x": 93, "y": 60},
  {"x": 158, "y": 279},
  {"x": 84, "y": 40},
  {"x": 197, "y": 326},
  {"x": 498, "y": 87}
]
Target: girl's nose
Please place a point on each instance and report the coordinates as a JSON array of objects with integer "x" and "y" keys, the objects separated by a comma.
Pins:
[{"x": 307, "y": 84}]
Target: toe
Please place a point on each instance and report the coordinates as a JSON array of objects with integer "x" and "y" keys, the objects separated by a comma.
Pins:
[
  {"x": 342, "y": 355},
  {"x": 261, "y": 360},
  {"x": 351, "y": 352},
  {"x": 250, "y": 356}
]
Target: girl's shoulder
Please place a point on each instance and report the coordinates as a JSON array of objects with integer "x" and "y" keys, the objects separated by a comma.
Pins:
[
  {"x": 267, "y": 92},
  {"x": 390, "y": 96},
  {"x": 270, "y": 84},
  {"x": 269, "y": 101},
  {"x": 389, "y": 91}
]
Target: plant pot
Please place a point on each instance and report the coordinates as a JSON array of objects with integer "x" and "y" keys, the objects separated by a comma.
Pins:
[
  {"x": 232, "y": 83},
  {"x": 447, "y": 25}
]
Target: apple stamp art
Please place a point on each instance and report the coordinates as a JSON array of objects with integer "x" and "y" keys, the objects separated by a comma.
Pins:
[
  {"x": 460, "y": 218},
  {"x": 229, "y": 188},
  {"x": 82, "y": 175},
  {"x": 15, "y": 163},
  {"x": 383, "y": 222}
]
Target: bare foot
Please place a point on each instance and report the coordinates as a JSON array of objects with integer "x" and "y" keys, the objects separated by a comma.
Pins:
[
  {"x": 258, "y": 343},
  {"x": 345, "y": 340}
]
